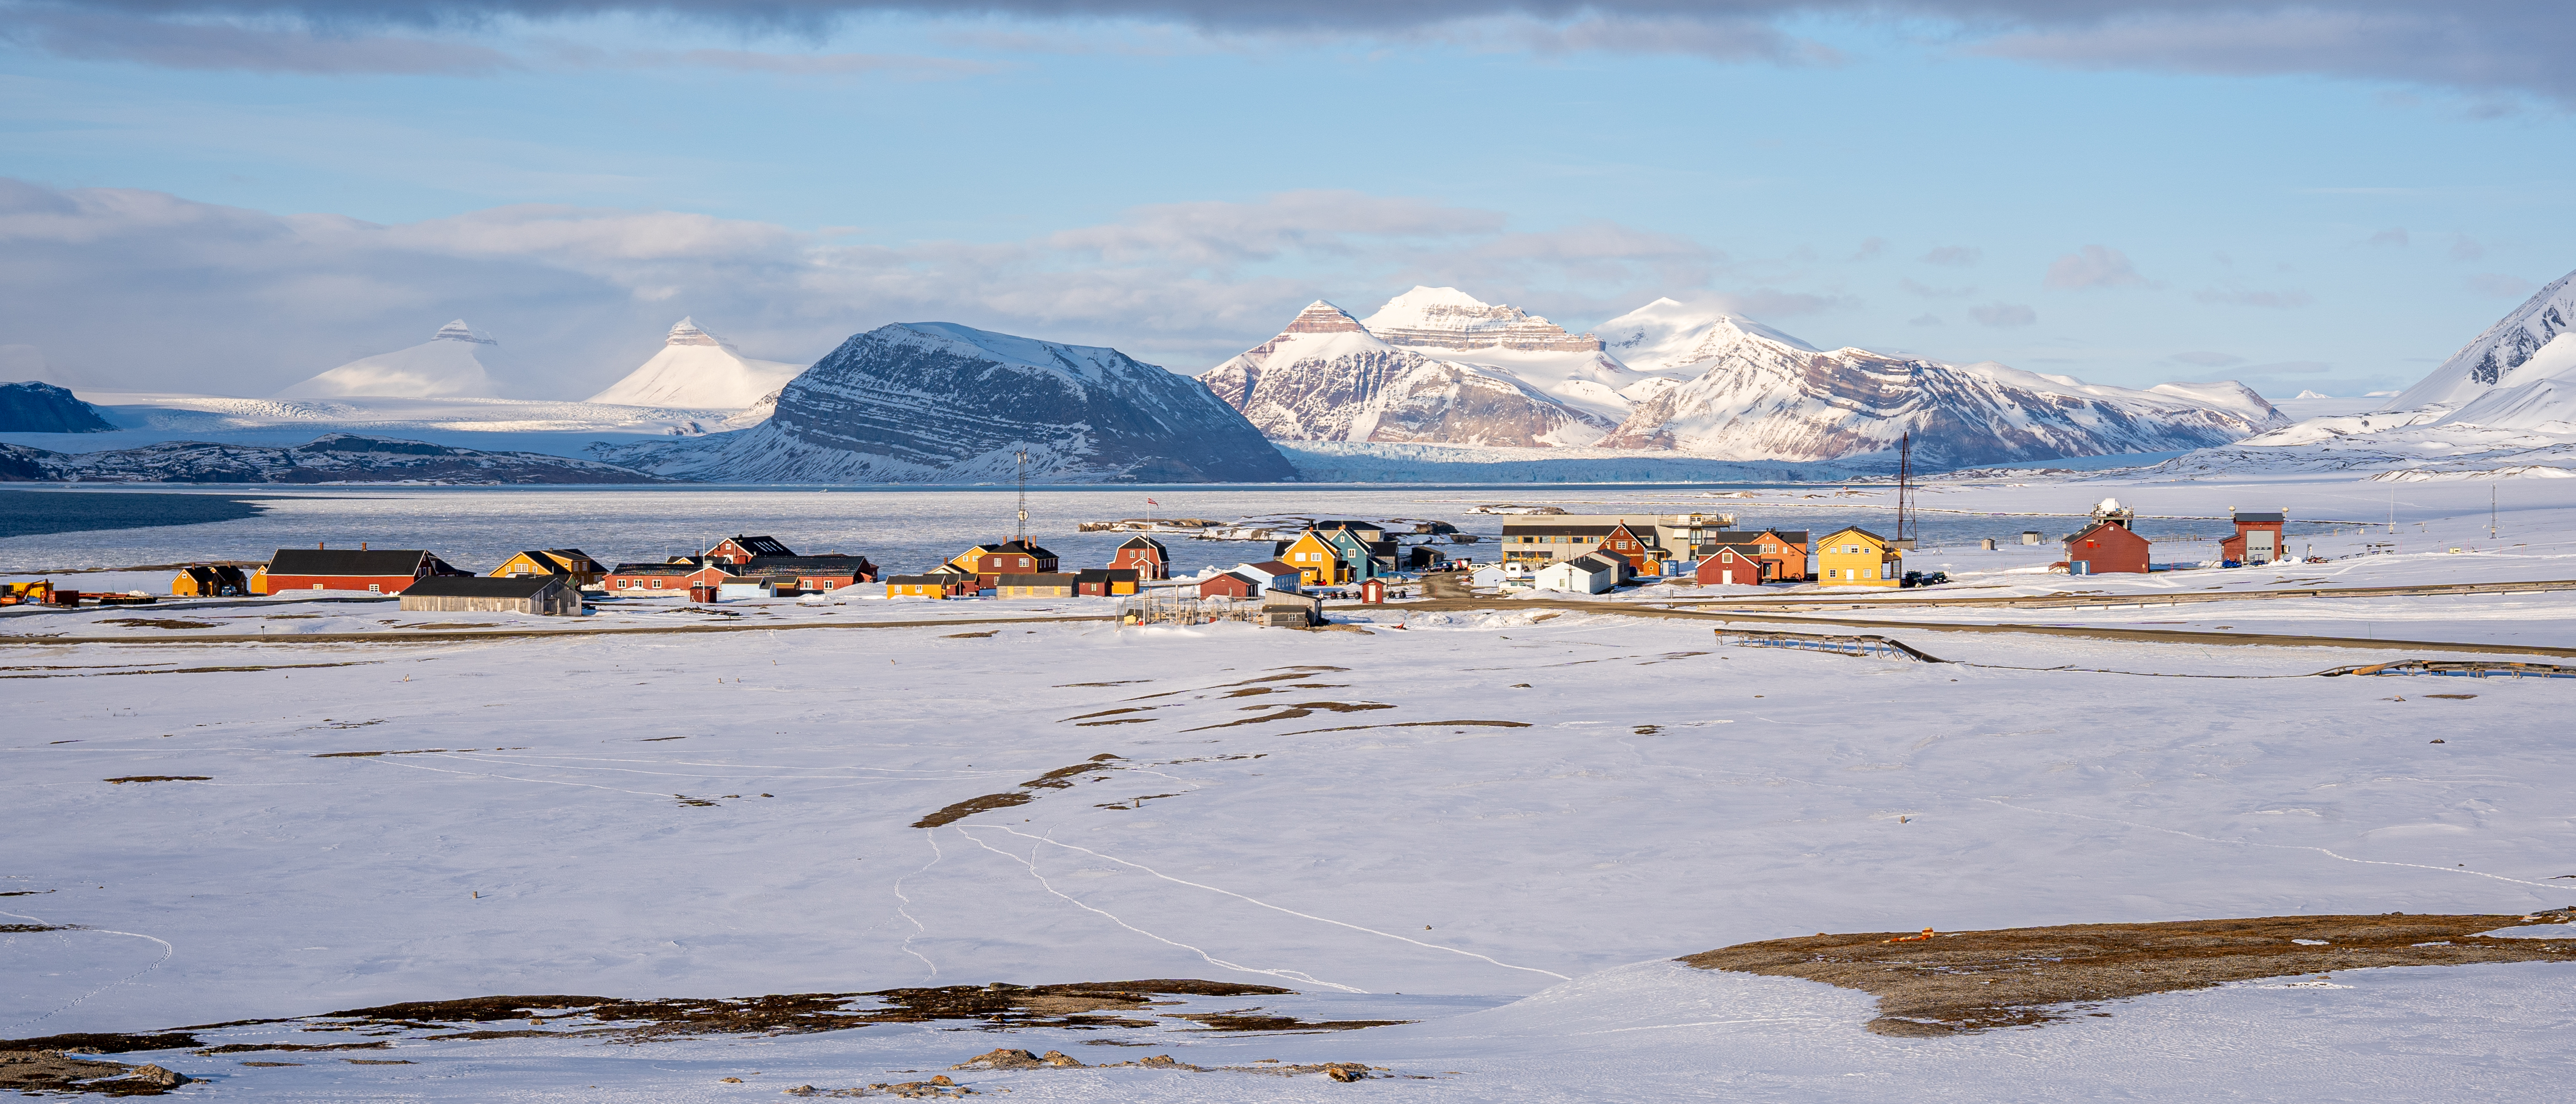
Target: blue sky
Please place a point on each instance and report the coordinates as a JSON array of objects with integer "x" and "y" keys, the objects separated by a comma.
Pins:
[{"x": 232, "y": 198}]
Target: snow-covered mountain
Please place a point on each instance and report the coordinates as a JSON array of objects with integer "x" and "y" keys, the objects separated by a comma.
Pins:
[
  {"x": 36, "y": 407},
  {"x": 2503, "y": 357},
  {"x": 456, "y": 362},
  {"x": 1757, "y": 394},
  {"x": 1436, "y": 366},
  {"x": 1326, "y": 377},
  {"x": 936, "y": 402},
  {"x": 698, "y": 369}
]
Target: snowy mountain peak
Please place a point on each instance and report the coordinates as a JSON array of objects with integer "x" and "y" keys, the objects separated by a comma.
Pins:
[
  {"x": 697, "y": 370},
  {"x": 459, "y": 331},
  {"x": 1447, "y": 318},
  {"x": 1322, "y": 317},
  {"x": 686, "y": 332},
  {"x": 2489, "y": 361},
  {"x": 1667, "y": 334}
]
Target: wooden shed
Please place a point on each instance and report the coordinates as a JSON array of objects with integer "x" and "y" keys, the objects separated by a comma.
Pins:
[
  {"x": 209, "y": 581},
  {"x": 1105, "y": 582},
  {"x": 545, "y": 595},
  {"x": 2257, "y": 539},
  {"x": 2105, "y": 548},
  {"x": 1229, "y": 584},
  {"x": 1051, "y": 584}
]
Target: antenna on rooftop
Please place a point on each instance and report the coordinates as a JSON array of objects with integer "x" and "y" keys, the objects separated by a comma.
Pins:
[{"x": 1022, "y": 533}]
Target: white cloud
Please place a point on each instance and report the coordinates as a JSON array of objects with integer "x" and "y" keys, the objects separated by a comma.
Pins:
[
  {"x": 2094, "y": 266},
  {"x": 2004, "y": 315}
]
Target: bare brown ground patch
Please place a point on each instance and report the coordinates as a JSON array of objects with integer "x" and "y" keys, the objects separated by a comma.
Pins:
[
  {"x": 158, "y": 623},
  {"x": 37, "y": 1071},
  {"x": 1960, "y": 982},
  {"x": 1292, "y": 712}
]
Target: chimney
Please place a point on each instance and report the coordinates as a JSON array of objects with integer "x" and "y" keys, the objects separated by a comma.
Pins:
[{"x": 319, "y": 544}]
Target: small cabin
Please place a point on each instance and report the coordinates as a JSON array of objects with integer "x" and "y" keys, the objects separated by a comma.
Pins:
[
  {"x": 1857, "y": 557},
  {"x": 542, "y": 595},
  {"x": 210, "y": 581},
  {"x": 1049, "y": 584},
  {"x": 2257, "y": 539},
  {"x": 1590, "y": 573},
  {"x": 571, "y": 562},
  {"x": 1230, "y": 585},
  {"x": 944, "y": 581},
  {"x": 1106, "y": 582}
]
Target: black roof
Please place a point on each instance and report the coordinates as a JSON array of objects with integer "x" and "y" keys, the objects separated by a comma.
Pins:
[
  {"x": 469, "y": 586},
  {"x": 763, "y": 546},
  {"x": 2275, "y": 515},
  {"x": 934, "y": 578},
  {"x": 1751, "y": 536},
  {"x": 775, "y": 564},
  {"x": 1052, "y": 578},
  {"x": 1856, "y": 529},
  {"x": 1597, "y": 560},
  {"x": 1107, "y": 574},
  {"x": 347, "y": 561},
  {"x": 673, "y": 568},
  {"x": 1142, "y": 541},
  {"x": 1535, "y": 528}
]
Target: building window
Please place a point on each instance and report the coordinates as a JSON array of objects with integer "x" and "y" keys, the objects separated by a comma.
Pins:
[
  {"x": 657, "y": 584},
  {"x": 375, "y": 588}
]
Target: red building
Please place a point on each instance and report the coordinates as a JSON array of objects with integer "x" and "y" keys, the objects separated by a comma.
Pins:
[
  {"x": 1624, "y": 544},
  {"x": 990, "y": 562},
  {"x": 1106, "y": 582},
  {"x": 1759, "y": 556},
  {"x": 1229, "y": 585},
  {"x": 382, "y": 571},
  {"x": 2257, "y": 539},
  {"x": 1145, "y": 556},
  {"x": 2104, "y": 548},
  {"x": 739, "y": 549}
]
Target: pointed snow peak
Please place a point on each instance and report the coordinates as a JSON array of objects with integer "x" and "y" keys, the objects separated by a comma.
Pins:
[
  {"x": 1447, "y": 318},
  {"x": 459, "y": 331},
  {"x": 1322, "y": 317},
  {"x": 2489, "y": 361},
  {"x": 686, "y": 332}
]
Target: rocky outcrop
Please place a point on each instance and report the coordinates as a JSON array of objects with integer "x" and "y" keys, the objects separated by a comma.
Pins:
[
  {"x": 936, "y": 402},
  {"x": 333, "y": 458},
  {"x": 33, "y": 407}
]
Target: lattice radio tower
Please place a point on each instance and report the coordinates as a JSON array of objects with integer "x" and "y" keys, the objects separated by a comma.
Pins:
[{"x": 1021, "y": 534}]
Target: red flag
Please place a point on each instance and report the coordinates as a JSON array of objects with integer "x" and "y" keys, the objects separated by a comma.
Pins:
[{"x": 1151, "y": 502}]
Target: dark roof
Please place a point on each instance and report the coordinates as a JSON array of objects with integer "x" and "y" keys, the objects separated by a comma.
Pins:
[
  {"x": 560, "y": 560},
  {"x": 1751, "y": 536},
  {"x": 1348, "y": 525},
  {"x": 675, "y": 568},
  {"x": 1052, "y": 578},
  {"x": 1275, "y": 568},
  {"x": 469, "y": 586},
  {"x": 1541, "y": 528},
  {"x": 347, "y": 561},
  {"x": 2080, "y": 534},
  {"x": 763, "y": 546},
  {"x": 1106, "y": 574},
  {"x": 934, "y": 578},
  {"x": 1597, "y": 560},
  {"x": 2274, "y": 515},
  {"x": 779, "y": 564},
  {"x": 1855, "y": 529},
  {"x": 1016, "y": 548},
  {"x": 1142, "y": 541}
]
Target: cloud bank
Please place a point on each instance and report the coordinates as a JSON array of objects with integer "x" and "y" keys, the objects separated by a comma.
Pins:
[
  {"x": 2499, "y": 46},
  {"x": 141, "y": 290}
]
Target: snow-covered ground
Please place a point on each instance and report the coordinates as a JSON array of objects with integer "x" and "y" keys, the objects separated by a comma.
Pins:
[
  {"x": 556, "y": 427},
  {"x": 1500, "y": 824}
]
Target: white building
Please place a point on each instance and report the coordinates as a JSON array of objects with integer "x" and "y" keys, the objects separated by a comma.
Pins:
[
  {"x": 1587, "y": 574},
  {"x": 1500, "y": 576}
]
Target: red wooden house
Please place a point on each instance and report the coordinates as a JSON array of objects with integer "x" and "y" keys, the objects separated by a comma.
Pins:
[
  {"x": 1145, "y": 556},
  {"x": 1106, "y": 582},
  {"x": 739, "y": 549},
  {"x": 1625, "y": 545},
  {"x": 2104, "y": 548},
  {"x": 2257, "y": 539},
  {"x": 1230, "y": 585},
  {"x": 381, "y": 571},
  {"x": 1757, "y": 556}
]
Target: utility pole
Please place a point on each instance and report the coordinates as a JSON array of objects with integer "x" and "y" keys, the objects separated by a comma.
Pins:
[{"x": 1905, "y": 491}]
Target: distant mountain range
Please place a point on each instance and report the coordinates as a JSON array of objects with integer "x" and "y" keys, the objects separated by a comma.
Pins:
[
  {"x": 1436, "y": 366},
  {"x": 332, "y": 458}
]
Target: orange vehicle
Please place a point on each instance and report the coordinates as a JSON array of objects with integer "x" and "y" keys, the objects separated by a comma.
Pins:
[{"x": 35, "y": 593}]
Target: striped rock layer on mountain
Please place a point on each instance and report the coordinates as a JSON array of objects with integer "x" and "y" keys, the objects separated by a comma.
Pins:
[
  {"x": 936, "y": 402},
  {"x": 1694, "y": 381}
]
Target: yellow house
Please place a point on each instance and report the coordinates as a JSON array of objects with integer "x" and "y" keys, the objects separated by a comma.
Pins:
[
  {"x": 553, "y": 561},
  {"x": 1858, "y": 557},
  {"x": 1316, "y": 561}
]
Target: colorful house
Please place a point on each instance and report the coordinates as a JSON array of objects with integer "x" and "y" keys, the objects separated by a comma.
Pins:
[
  {"x": 210, "y": 581},
  {"x": 1316, "y": 560},
  {"x": 2257, "y": 539},
  {"x": 989, "y": 562},
  {"x": 2107, "y": 545},
  {"x": 1106, "y": 582},
  {"x": 1779, "y": 555},
  {"x": 1273, "y": 575},
  {"x": 1229, "y": 584},
  {"x": 740, "y": 548},
  {"x": 1145, "y": 556},
  {"x": 1858, "y": 557},
  {"x": 381, "y": 571},
  {"x": 1359, "y": 554},
  {"x": 810, "y": 574},
  {"x": 943, "y": 581},
  {"x": 572, "y": 562},
  {"x": 1051, "y": 584}
]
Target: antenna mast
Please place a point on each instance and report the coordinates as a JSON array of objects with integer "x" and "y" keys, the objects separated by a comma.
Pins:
[
  {"x": 1022, "y": 533},
  {"x": 1905, "y": 491}
]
